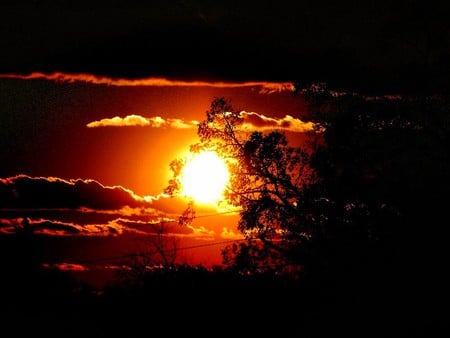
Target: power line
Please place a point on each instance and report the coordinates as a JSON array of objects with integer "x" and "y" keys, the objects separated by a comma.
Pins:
[
  {"x": 161, "y": 222},
  {"x": 177, "y": 221},
  {"x": 156, "y": 252},
  {"x": 218, "y": 213},
  {"x": 168, "y": 250}
]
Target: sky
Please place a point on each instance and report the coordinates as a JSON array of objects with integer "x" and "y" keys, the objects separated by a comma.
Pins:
[
  {"x": 85, "y": 160},
  {"x": 96, "y": 101},
  {"x": 375, "y": 45}
]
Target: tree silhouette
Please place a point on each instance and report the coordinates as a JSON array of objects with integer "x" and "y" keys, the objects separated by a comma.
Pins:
[
  {"x": 384, "y": 163},
  {"x": 269, "y": 182},
  {"x": 356, "y": 204},
  {"x": 159, "y": 251}
]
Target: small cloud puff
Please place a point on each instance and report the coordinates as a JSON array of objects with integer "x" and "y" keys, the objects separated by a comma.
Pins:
[
  {"x": 259, "y": 122},
  {"x": 140, "y": 121},
  {"x": 230, "y": 234}
]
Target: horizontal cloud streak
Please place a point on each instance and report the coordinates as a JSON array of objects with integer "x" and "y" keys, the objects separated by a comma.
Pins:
[
  {"x": 140, "y": 121},
  {"x": 25, "y": 192},
  {"x": 130, "y": 120},
  {"x": 201, "y": 232},
  {"x": 65, "y": 266},
  {"x": 264, "y": 87},
  {"x": 230, "y": 234},
  {"x": 114, "y": 227},
  {"x": 259, "y": 122},
  {"x": 58, "y": 228},
  {"x": 166, "y": 226},
  {"x": 125, "y": 211},
  {"x": 251, "y": 121}
]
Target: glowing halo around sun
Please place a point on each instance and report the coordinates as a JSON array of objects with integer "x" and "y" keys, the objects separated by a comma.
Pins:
[{"x": 204, "y": 177}]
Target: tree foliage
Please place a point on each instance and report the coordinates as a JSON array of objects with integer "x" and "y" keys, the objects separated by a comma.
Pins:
[
  {"x": 356, "y": 198},
  {"x": 384, "y": 163},
  {"x": 269, "y": 182}
]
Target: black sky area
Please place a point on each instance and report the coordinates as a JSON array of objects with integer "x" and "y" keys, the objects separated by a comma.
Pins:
[{"x": 379, "y": 45}]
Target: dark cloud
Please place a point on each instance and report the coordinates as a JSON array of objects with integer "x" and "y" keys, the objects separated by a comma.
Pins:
[
  {"x": 166, "y": 226},
  {"x": 385, "y": 43},
  {"x": 263, "y": 87},
  {"x": 23, "y": 191},
  {"x": 113, "y": 227},
  {"x": 56, "y": 227}
]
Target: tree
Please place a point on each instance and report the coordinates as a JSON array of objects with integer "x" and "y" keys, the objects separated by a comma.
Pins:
[
  {"x": 354, "y": 199},
  {"x": 269, "y": 181},
  {"x": 384, "y": 162},
  {"x": 362, "y": 213},
  {"x": 158, "y": 251}
]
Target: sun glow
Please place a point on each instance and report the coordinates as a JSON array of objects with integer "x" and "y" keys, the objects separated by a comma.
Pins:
[{"x": 205, "y": 177}]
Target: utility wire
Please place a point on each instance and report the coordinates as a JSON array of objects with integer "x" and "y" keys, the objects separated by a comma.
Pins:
[
  {"x": 176, "y": 221},
  {"x": 167, "y": 250},
  {"x": 155, "y": 252}
]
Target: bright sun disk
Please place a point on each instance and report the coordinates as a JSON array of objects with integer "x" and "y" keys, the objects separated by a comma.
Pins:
[{"x": 204, "y": 177}]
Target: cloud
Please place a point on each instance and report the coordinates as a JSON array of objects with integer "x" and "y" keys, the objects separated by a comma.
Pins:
[
  {"x": 254, "y": 121},
  {"x": 65, "y": 266},
  {"x": 251, "y": 121},
  {"x": 166, "y": 226},
  {"x": 115, "y": 267},
  {"x": 262, "y": 86},
  {"x": 53, "y": 227},
  {"x": 200, "y": 232},
  {"x": 125, "y": 211},
  {"x": 130, "y": 120},
  {"x": 230, "y": 234},
  {"x": 26, "y": 192},
  {"x": 117, "y": 226},
  {"x": 140, "y": 121},
  {"x": 8, "y": 226},
  {"x": 59, "y": 207}
]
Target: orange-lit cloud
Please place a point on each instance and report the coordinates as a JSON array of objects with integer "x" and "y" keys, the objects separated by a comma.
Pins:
[
  {"x": 166, "y": 226},
  {"x": 114, "y": 227},
  {"x": 65, "y": 266},
  {"x": 58, "y": 228},
  {"x": 53, "y": 227},
  {"x": 230, "y": 234},
  {"x": 54, "y": 206},
  {"x": 251, "y": 121},
  {"x": 259, "y": 122},
  {"x": 201, "y": 232},
  {"x": 8, "y": 226},
  {"x": 126, "y": 211},
  {"x": 263, "y": 87},
  {"x": 140, "y": 121}
]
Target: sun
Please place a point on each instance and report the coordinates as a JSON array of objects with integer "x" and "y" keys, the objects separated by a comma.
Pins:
[{"x": 204, "y": 177}]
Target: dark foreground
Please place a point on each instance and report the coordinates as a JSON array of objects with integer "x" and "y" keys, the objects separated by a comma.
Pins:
[{"x": 194, "y": 302}]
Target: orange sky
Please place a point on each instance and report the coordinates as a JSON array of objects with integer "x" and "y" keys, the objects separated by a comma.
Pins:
[{"x": 99, "y": 150}]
